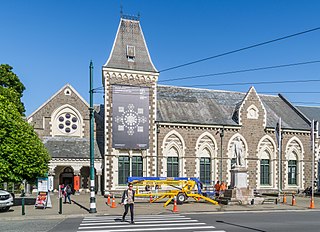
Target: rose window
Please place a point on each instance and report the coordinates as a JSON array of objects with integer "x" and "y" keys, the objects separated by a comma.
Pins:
[{"x": 68, "y": 123}]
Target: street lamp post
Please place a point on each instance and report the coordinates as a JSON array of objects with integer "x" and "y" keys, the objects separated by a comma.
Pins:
[
  {"x": 92, "y": 179},
  {"x": 221, "y": 152}
]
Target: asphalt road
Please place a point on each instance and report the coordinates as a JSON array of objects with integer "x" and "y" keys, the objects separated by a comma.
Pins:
[
  {"x": 263, "y": 221},
  {"x": 283, "y": 221}
]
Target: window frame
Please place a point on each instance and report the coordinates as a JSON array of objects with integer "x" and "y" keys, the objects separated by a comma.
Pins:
[
  {"x": 172, "y": 162},
  {"x": 265, "y": 172},
  {"x": 292, "y": 169},
  {"x": 205, "y": 170}
]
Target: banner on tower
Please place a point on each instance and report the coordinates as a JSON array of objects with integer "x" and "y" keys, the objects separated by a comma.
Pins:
[{"x": 130, "y": 117}]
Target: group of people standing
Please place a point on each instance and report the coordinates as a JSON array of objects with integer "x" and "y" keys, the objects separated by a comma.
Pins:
[
  {"x": 66, "y": 192},
  {"x": 220, "y": 188}
]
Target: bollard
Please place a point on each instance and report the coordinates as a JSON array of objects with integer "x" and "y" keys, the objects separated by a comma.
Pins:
[
  {"x": 60, "y": 205},
  {"x": 284, "y": 198},
  {"x": 22, "y": 204}
]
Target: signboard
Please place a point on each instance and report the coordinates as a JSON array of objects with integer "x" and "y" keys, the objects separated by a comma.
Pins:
[
  {"x": 76, "y": 183},
  {"x": 43, "y": 184},
  {"x": 130, "y": 117},
  {"x": 43, "y": 197},
  {"x": 50, "y": 183}
]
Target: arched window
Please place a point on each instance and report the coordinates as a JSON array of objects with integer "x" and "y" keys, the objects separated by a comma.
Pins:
[
  {"x": 205, "y": 162},
  {"x": 292, "y": 169},
  {"x": 173, "y": 163},
  {"x": 205, "y": 167},
  {"x": 265, "y": 168}
]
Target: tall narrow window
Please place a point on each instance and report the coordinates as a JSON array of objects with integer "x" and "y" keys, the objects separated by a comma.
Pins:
[
  {"x": 172, "y": 167},
  {"x": 123, "y": 169},
  {"x": 292, "y": 172},
  {"x": 205, "y": 170},
  {"x": 137, "y": 166},
  {"x": 265, "y": 172}
]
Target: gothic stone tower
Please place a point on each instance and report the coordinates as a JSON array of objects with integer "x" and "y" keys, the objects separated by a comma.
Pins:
[{"x": 129, "y": 79}]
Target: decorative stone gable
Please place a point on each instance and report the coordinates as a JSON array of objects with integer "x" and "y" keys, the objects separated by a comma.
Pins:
[
  {"x": 64, "y": 114},
  {"x": 252, "y": 110}
]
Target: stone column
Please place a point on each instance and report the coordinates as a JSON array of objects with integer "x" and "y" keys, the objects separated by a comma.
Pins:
[{"x": 98, "y": 187}]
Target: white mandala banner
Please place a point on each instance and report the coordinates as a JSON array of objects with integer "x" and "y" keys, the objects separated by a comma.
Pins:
[{"x": 130, "y": 128}]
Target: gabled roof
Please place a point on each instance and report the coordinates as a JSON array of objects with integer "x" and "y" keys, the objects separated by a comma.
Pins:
[
  {"x": 130, "y": 34},
  {"x": 213, "y": 107},
  {"x": 53, "y": 96}
]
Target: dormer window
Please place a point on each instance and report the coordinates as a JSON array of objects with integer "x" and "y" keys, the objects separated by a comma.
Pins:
[{"x": 131, "y": 53}]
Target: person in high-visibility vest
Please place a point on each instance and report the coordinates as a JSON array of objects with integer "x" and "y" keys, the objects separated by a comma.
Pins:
[
  {"x": 217, "y": 188},
  {"x": 223, "y": 188}
]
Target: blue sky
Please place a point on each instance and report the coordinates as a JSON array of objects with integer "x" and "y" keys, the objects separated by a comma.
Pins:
[{"x": 50, "y": 43}]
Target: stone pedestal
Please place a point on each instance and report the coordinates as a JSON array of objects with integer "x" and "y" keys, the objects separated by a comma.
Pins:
[
  {"x": 239, "y": 192},
  {"x": 239, "y": 195},
  {"x": 239, "y": 177}
]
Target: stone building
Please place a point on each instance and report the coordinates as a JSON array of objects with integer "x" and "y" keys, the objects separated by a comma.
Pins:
[
  {"x": 146, "y": 129},
  {"x": 63, "y": 124}
]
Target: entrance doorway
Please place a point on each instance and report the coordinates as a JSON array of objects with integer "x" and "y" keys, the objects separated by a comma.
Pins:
[{"x": 66, "y": 177}]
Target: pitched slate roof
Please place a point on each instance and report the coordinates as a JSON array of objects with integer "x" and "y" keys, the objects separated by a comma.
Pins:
[
  {"x": 130, "y": 34},
  {"x": 213, "y": 107},
  {"x": 310, "y": 112},
  {"x": 72, "y": 148}
]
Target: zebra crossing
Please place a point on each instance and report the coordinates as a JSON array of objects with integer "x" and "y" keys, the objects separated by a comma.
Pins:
[{"x": 144, "y": 223}]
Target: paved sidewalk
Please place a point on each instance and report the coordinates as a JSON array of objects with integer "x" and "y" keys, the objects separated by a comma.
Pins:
[{"x": 80, "y": 207}]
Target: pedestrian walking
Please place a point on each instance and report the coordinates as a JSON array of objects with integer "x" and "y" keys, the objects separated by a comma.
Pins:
[
  {"x": 128, "y": 202},
  {"x": 67, "y": 194}
]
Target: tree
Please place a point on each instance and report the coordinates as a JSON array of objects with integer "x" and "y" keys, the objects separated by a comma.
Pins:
[
  {"x": 22, "y": 154},
  {"x": 11, "y": 87}
]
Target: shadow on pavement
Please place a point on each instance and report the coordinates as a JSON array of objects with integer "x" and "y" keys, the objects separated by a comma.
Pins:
[
  {"x": 81, "y": 206},
  {"x": 246, "y": 227}
]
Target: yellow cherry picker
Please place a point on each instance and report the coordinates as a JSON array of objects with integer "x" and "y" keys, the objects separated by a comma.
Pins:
[{"x": 159, "y": 188}]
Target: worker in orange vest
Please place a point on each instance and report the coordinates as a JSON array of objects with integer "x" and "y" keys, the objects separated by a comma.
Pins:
[
  {"x": 223, "y": 188},
  {"x": 217, "y": 188}
]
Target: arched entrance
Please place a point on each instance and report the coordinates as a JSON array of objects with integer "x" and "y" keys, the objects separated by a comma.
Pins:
[{"x": 66, "y": 177}]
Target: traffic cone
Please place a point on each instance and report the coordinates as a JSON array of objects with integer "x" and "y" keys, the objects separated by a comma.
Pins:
[
  {"x": 311, "y": 203},
  {"x": 284, "y": 198},
  {"x": 150, "y": 199},
  {"x": 175, "y": 208},
  {"x": 109, "y": 200},
  {"x": 293, "y": 200},
  {"x": 113, "y": 205}
]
